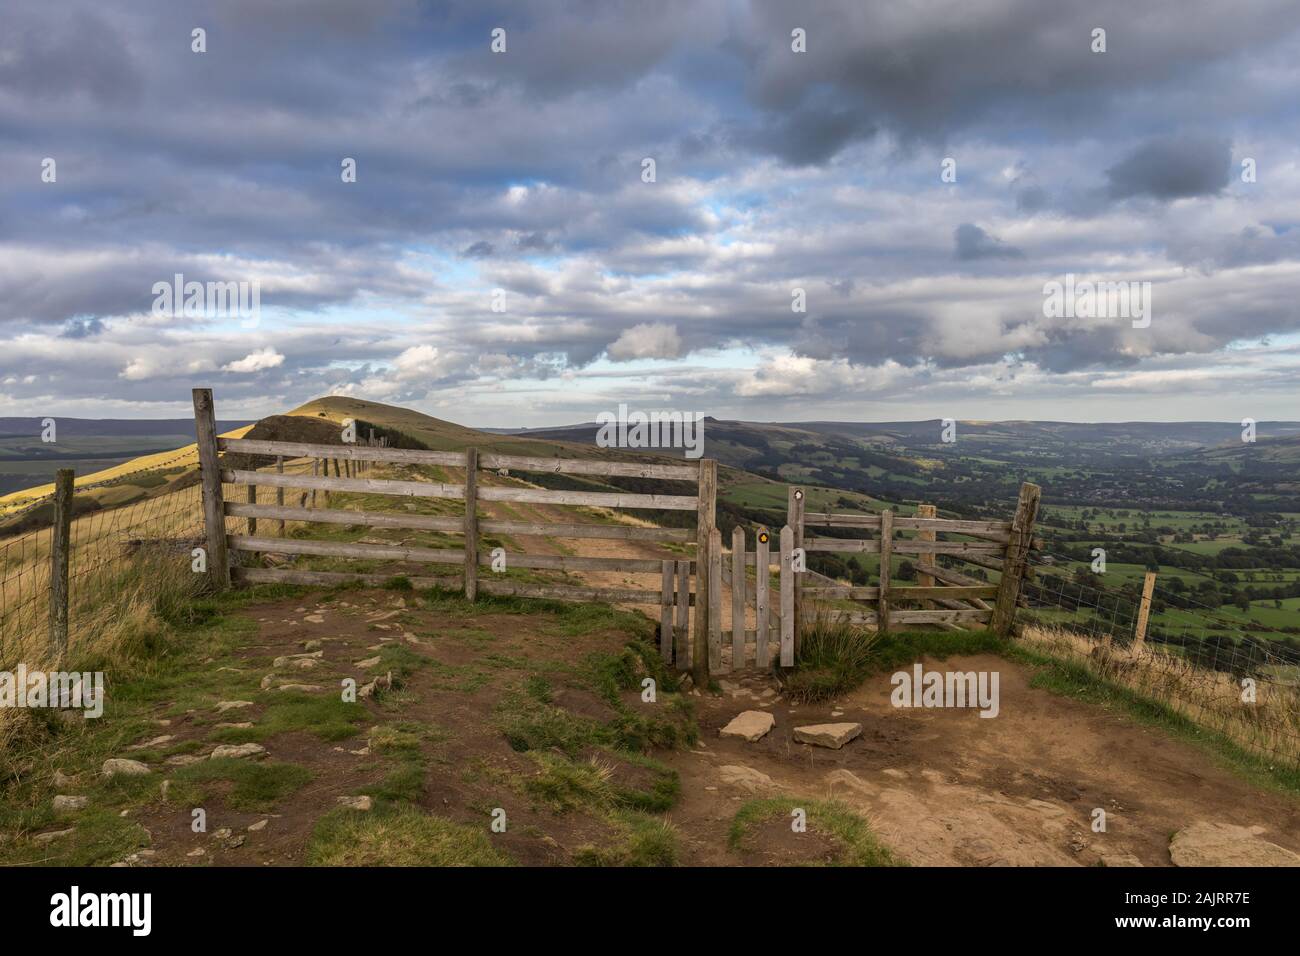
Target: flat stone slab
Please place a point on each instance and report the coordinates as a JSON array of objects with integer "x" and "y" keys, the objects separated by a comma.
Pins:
[
  {"x": 1222, "y": 844},
  {"x": 834, "y": 736},
  {"x": 749, "y": 725},
  {"x": 238, "y": 750}
]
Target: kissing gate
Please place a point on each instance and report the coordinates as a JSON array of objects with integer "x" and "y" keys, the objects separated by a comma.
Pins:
[{"x": 777, "y": 604}]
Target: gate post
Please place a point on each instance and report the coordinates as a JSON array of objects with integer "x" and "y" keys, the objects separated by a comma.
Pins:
[
  {"x": 762, "y": 582},
  {"x": 1144, "y": 611},
  {"x": 738, "y": 589},
  {"x": 214, "y": 509},
  {"x": 705, "y": 518},
  {"x": 794, "y": 521},
  {"x": 471, "y": 524},
  {"x": 886, "y": 560},
  {"x": 925, "y": 560},
  {"x": 1017, "y": 557},
  {"x": 788, "y": 591}
]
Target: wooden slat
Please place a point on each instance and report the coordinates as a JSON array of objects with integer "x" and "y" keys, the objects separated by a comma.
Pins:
[
  {"x": 666, "y": 613},
  {"x": 918, "y": 523},
  {"x": 681, "y": 631},
  {"x": 872, "y": 546},
  {"x": 841, "y": 592},
  {"x": 705, "y": 517},
  {"x": 548, "y": 530},
  {"x": 568, "y": 562},
  {"x": 737, "y": 598},
  {"x": 787, "y": 598},
  {"x": 714, "y": 572},
  {"x": 843, "y": 616},
  {"x": 762, "y": 584},
  {"x": 380, "y": 486},
  {"x": 578, "y": 466},
  {"x": 938, "y": 617},
  {"x": 886, "y": 550},
  {"x": 567, "y": 592},
  {"x": 372, "y": 519},
  {"x": 342, "y": 549},
  {"x": 293, "y": 449},
  {"x": 332, "y": 578},
  {"x": 591, "y": 499}
]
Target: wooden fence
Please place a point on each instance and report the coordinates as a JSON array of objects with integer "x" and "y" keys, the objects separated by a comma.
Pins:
[{"x": 779, "y": 607}]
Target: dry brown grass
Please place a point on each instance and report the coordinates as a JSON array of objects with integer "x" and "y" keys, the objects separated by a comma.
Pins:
[{"x": 1270, "y": 726}]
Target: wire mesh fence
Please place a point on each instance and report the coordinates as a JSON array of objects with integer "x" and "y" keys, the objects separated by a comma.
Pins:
[
  {"x": 1232, "y": 673},
  {"x": 118, "y": 556}
]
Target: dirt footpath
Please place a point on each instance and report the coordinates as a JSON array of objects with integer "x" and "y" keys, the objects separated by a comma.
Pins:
[{"x": 945, "y": 787}]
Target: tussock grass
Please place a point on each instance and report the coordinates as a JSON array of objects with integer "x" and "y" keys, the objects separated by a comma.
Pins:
[
  {"x": 638, "y": 841},
  {"x": 855, "y": 843},
  {"x": 400, "y": 835}
]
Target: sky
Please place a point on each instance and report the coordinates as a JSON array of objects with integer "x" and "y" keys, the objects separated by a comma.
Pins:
[{"x": 853, "y": 211}]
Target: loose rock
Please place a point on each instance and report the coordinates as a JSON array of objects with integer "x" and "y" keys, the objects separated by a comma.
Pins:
[
  {"x": 238, "y": 750},
  {"x": 834, "y": 736},
  {"x": 751, "y": 725},
  {"x": 127, "y": 768},
  {"x": 1222, "y": 844}
]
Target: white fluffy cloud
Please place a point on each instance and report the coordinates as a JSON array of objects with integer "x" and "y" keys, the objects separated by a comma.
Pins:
[
  {"x": 258, "y": 361},
  {"x": 647, "y": 340}
]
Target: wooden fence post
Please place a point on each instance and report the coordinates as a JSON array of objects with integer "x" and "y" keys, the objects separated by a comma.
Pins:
[
  {"x": 471, "y": 523},
  {"x": 60, "y": 546},
  {"x": 214, "y": 518},
  {"x": 1017, "y": 557},
  {"x": 762, "y": 581},
  {"x": 787, "y": 597},
  {"x": 886, "y": 554},
  {"x": 715, "y": 601},
  {"x": 682, "y": 628},
  {"x": 926, "y": 560},
  {"x": 738, "y": 588},
  {"x": 1144, "y": 611},
  {"x": 315, "y": 470},
  {"x": 705, "y": 517},
  {"x": 794, "y": 519}
]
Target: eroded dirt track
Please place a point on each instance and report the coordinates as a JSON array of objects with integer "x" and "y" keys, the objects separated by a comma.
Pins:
[{"x": 940, "y": 787}]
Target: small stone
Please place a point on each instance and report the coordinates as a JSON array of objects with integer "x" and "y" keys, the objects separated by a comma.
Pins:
[
  {"x": 198, "y": 851},
  {"x": 305, "y": 688},
  {"x": 236, "y": 751},
  {"x": 314, "y": 619},
  {"x": 62, "y": 781},
  {"x": 834, "y": 736},
  {"x": 356, "y": 803},
  {"x": 52, "y": 835},
  {"x": 182, "y": 760},
  {"x": 311, "y": 645},
  {"x": 259, "y": 825},
  {"x": 64, "y": 804},
  {"x": 750, "y": 725},
  {"x": 368, "y": 663},
  {"x": 156, "y": 742},
  {"x": 127, "y": 768},
  {"x": 226, "y": 705},
  {"x": 238, "y": 725}
]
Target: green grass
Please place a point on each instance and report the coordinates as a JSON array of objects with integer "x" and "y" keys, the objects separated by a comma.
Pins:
[
  {"x": 855, "y": 844},
  {"x": 327, "y": 716},
  {"x": 400, "y": 835},
  {"x": 254, "y": 784}
]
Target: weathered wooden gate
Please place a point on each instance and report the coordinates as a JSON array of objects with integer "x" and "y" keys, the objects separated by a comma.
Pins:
[{"x": 296, "y": 468}]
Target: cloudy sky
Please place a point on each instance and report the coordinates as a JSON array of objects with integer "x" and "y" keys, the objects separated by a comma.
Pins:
[{"x": 501, "y": 259}]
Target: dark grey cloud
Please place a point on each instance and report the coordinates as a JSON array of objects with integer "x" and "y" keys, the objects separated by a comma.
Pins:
[
  {"x": 971, "y": 242},
  {"x": 1175, "y": 167}
]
